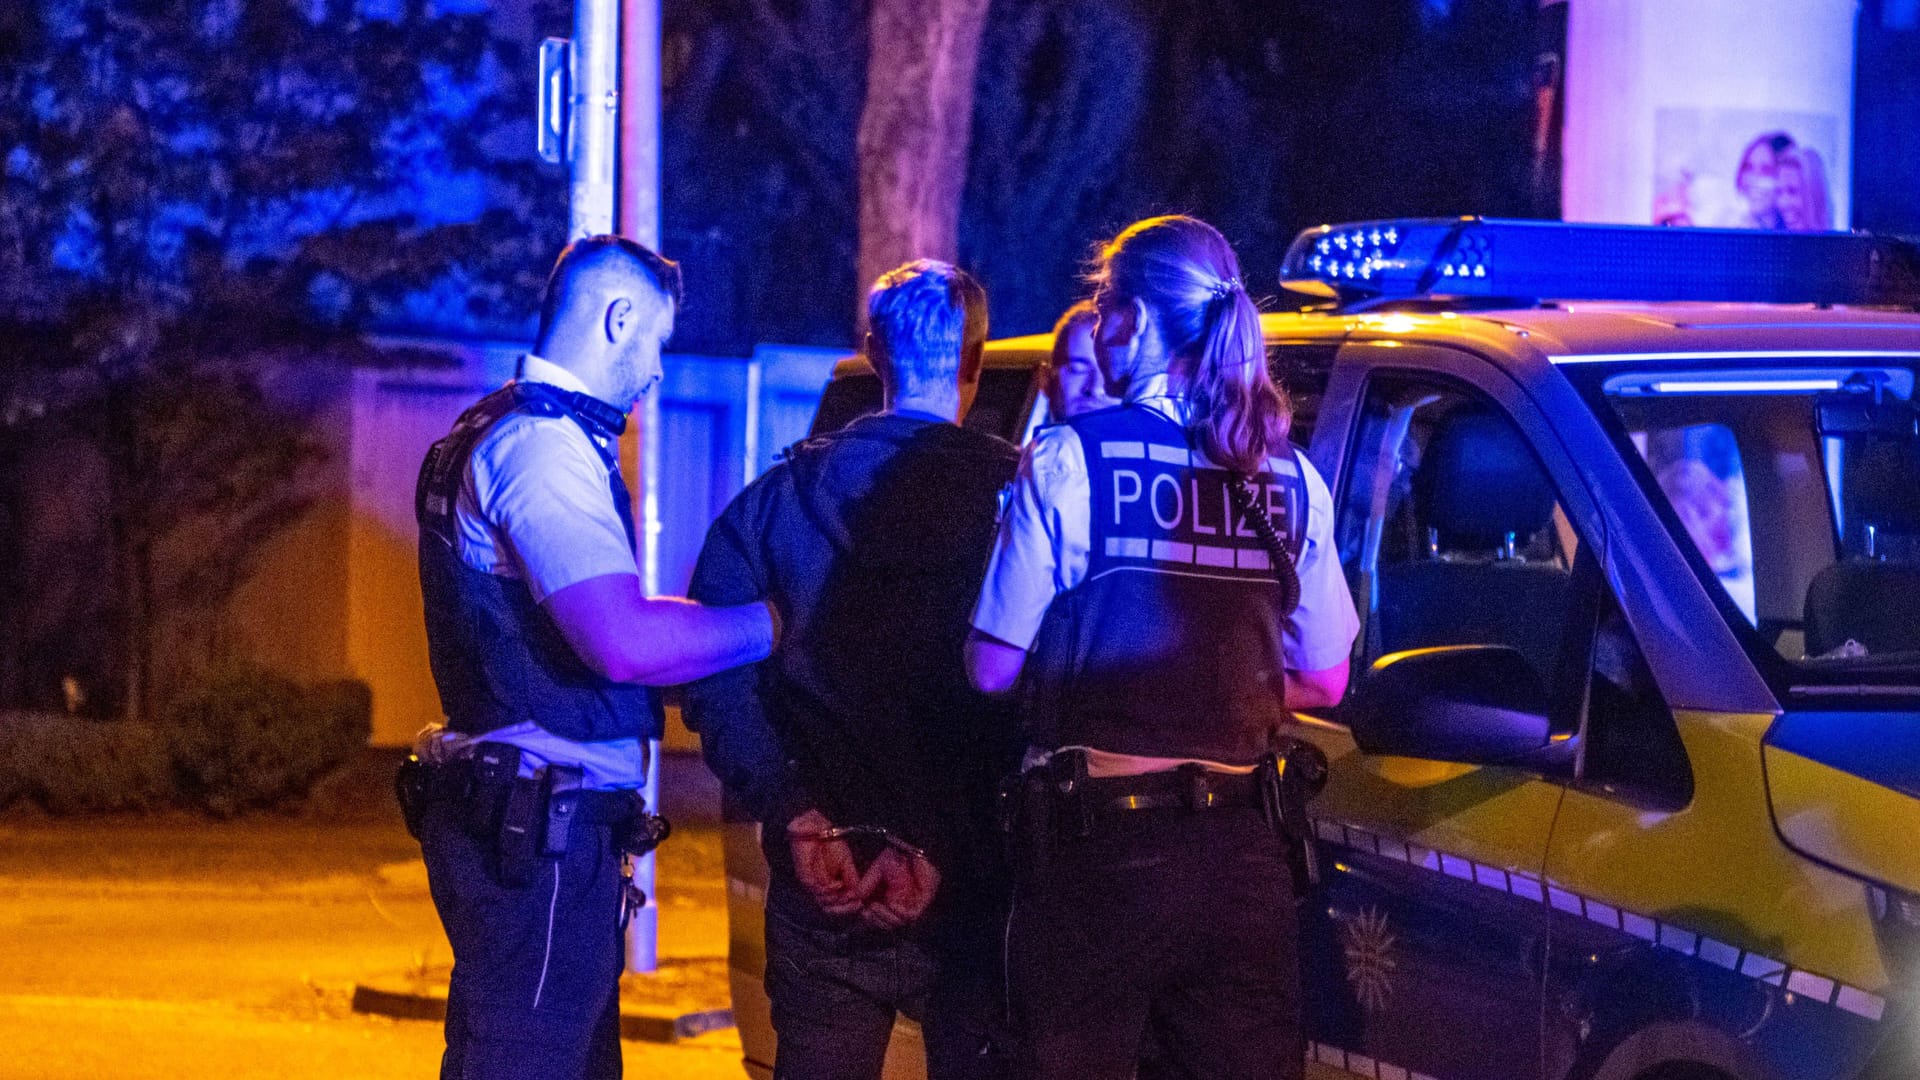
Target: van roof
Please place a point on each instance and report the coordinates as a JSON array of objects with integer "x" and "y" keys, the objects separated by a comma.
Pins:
[{"x": 1572, "y": 332}]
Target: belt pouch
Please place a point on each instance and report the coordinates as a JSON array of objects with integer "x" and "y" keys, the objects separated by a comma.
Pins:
[
  {"x": 562, "y": 789},
  {"x": 495, "y": 767},
  {"x": 645, "y": 831},
  {"x": 517, "y": 845},
  {"x": 413, "y": 787},
  {"x": 1072, "y": 806}
]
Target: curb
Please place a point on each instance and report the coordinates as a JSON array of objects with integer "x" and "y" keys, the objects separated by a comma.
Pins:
[{"x": 643, "y": 1025}]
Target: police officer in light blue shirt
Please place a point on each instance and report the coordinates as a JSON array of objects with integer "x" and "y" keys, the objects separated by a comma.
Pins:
[
  {"x": 543, "y": 647},
  {"x": 1166, "y": 578}
]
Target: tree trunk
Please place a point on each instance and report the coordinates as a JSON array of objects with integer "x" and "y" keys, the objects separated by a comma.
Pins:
[{"x": 914, "y": 131}]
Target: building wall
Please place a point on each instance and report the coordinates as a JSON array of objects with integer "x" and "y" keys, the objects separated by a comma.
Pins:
[{"x": 350, "y": 574}]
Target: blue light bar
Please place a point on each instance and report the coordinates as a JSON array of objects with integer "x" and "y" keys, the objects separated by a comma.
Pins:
[{"x": 1553, "y": 260}]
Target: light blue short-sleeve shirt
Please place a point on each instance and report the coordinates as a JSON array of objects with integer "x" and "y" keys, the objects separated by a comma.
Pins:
[{"x": 535, "y": 506}]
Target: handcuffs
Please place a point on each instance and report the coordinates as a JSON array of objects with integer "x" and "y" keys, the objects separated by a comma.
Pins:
[{"x": 878, "y": 832}]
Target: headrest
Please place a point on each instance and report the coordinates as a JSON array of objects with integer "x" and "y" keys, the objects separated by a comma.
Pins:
[
  {"x": 1479, "y": 481},
  {"x": 1880, "y": 484}
]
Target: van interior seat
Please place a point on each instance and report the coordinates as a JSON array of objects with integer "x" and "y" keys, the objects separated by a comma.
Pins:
[
  {"x": 1865, "y": 597},
  {"x": 1478, "y": 487},
  {"x": 1866, "y": 601}
]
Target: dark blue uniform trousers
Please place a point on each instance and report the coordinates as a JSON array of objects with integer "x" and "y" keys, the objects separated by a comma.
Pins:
[
  {"x": 1170, "y": 930},
  {"x": 536, "y": 969}
]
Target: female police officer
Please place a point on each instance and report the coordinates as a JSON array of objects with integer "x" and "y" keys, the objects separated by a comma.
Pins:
[{"x": 1144, "y": 560}]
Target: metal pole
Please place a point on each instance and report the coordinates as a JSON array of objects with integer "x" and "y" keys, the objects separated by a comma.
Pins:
[
  {"x": 590, "y": 135},
  {"x": 639, "y": 219}
]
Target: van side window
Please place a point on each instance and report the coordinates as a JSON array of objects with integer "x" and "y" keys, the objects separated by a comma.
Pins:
[
  {"x": 1450, "y": 529},
  {"x": 1452, "y": 533}
]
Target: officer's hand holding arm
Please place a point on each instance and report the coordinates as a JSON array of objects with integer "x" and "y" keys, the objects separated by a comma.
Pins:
[
  {"x": 656, "y": 641},
  {"x": 900, "y": 888},
  {"x": 826, "y": 867}
]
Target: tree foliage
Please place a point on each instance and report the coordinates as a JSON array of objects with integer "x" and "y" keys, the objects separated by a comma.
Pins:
[
  {"x": 199, "y": 194},
  {"x": 1263, "y": 118}
]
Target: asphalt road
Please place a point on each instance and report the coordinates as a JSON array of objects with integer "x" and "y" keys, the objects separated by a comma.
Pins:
[{"x": 173, "y": 946}]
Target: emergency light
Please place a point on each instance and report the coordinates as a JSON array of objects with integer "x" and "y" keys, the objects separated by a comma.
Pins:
[{"x": 1527, "y": 261}]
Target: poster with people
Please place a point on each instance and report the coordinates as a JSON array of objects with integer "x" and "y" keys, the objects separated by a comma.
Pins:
[{"x": 1744, "y": 169}]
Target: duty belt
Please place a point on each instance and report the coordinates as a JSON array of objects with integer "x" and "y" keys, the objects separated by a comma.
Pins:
[
  {"x": 456, "y": 780},
  {"x": 523, "y": 819},
  {"x": 1189, "y": 787}
]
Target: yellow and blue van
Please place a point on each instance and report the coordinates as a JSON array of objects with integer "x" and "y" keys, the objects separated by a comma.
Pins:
[{"x": 1627, "y": 782}]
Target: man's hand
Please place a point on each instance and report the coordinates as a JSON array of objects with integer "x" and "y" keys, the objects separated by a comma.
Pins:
[
  {"x": 825, "y": 867},
  {"x": 900, "y": 887}
]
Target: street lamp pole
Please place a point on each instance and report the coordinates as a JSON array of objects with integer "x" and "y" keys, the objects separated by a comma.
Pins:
[
  {"x": 599, "y": 111},
  {"x": 638, "y": 218},
  {"x": 593, "y": 109}
]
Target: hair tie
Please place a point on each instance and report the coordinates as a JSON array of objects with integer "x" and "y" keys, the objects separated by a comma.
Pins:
[{"x": 1225, "y": 287}]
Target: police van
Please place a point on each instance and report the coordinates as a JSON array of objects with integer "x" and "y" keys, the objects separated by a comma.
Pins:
[{"x": 1626, "y": 785}]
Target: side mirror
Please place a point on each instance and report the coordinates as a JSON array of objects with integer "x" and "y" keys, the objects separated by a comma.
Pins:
[{"x": 1473, "y": 704}]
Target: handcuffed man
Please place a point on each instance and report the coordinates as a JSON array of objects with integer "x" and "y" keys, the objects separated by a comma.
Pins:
[{"x": 860, "y": 746}]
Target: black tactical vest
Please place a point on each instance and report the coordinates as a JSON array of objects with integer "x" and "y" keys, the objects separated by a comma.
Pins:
[
  {"x": 1172, "y": 644},
  {"x": 497, "y": 658}
]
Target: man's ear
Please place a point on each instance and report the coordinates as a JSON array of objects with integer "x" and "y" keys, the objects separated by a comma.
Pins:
[
  {"x": 619, "y": 322},
  {"x": 1139, "y": 318},
  {"x": 973, "y": 357}
]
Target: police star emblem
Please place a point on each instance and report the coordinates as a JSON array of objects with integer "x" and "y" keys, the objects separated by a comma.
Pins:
[{"x": 1368, "y": 946}]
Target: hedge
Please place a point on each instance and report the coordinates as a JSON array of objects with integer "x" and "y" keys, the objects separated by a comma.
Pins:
[{"x": 246, "y": 739}]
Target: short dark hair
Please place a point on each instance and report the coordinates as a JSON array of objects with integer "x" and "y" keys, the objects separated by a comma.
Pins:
[
  {"x": 594, "y": 255},
  {"x": 1083, "y": 312},
  {"x": 918, "y": 315}
]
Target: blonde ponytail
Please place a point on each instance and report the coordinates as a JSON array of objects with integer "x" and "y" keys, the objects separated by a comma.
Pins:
[{"x": 1185, "y": 270}]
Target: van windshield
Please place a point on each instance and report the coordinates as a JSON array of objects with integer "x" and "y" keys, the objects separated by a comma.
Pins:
[{"x": 1799, "y": 490}]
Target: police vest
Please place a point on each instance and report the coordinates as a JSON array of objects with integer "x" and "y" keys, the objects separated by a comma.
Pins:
[
  {"x": 497, "y": 658},
  {"x": 1171, "y": 645}
]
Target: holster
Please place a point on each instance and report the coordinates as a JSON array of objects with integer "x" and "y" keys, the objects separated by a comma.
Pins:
[
  {"x": 1289, "y": 777},
  {"x": 413, "y": 788},
  {"x": 647, "y": 831},
  {"x": 1042, "y": 805},
  {"x": 504, "y": 812}
]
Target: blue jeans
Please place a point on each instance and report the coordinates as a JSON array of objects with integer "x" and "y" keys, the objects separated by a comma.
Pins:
[{"x": 836, "y": 991}]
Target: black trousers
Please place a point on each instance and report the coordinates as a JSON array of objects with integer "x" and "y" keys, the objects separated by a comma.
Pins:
[
  {"x": 1172, "y": 929},
  {"x": 835, "y": 994},
  {"x": 536, "y": 968}
]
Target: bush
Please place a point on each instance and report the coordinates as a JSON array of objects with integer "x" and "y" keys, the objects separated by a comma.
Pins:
[
  {"x": 246, "y": 739},
  {"x": 252, "y": 739},
  {"x": 341, "y": 718},
  {"x": 71, "y": 765}
]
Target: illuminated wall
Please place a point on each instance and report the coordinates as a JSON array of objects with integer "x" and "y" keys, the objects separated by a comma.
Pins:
[{"x": 1710, "y": 112}]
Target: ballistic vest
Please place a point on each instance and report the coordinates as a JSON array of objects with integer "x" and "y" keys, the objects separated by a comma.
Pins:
[
  {"x": 497, "y": 658},
  {"x": 1171, "y": 646}
]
